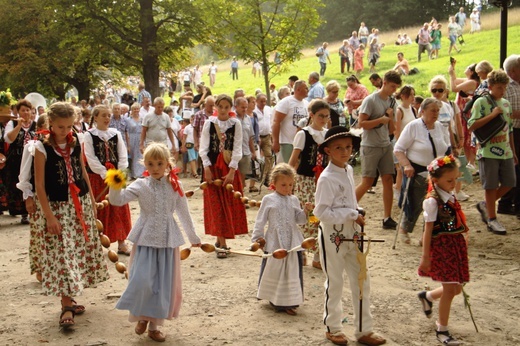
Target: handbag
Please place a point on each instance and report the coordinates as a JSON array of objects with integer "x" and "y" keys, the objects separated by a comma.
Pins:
[
  {"x": 226, "y": 154},
  {"x": 494, "y": 126}
]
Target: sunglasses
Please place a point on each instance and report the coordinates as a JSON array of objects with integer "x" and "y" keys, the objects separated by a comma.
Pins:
[{"x": 437, "y": 91}]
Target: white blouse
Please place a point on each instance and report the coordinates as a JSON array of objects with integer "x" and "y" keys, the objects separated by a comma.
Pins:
[
  {"x": 284, "y": 214},
  {"x": 92, "y": 160},
  {"x": 156, "y": 226},
  {"x": 224, "y": 126}
]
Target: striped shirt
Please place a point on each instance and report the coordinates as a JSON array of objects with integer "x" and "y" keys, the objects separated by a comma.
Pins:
[{"x": 513, "y": 96}]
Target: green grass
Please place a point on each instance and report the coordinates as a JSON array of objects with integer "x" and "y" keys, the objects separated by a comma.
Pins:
[{"x": 482, "y": 46}]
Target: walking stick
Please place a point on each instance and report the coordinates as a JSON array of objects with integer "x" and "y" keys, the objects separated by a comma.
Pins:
[{"x": 402, "y": 211}]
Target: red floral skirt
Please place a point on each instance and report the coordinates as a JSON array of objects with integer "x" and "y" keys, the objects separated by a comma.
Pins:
[
  {"x": 449, "y": 259},
  {"x": 117, "y": 221},
  {"x": 224, "y": 215}
]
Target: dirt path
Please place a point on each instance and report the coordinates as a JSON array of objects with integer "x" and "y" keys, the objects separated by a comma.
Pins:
[{"x": 220, "y": 307}]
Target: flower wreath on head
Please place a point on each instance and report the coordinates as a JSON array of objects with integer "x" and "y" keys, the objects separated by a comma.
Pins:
[{"x": 438, "y": 163}]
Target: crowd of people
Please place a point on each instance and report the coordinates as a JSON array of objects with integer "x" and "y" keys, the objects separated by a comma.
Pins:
[{"x": 59, "y": 163}]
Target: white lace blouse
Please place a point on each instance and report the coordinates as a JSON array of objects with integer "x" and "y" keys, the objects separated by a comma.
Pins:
[
  {"x": 284, "y": 214},
  {"x": 156, "y": 226}
]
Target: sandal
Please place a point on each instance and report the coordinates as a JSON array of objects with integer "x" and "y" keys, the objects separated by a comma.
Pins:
[
  {"x": 140, "y": 327},
  {"x": 446, "y": 339},
  {"x": 156, "y": 335},
  {"x": 78, "y": 309},
  {"x": 426, "y": 304},
  {"x": 405, "y": 238},
  {"x": 67, "y": 322},
  {"x": 253, "y": 189},
  {"x": 291, "y": 312},
  {"x": 123, "y": 250},
  {"x": 221, "y": 253},
  {"x": 195, "y": 175}
]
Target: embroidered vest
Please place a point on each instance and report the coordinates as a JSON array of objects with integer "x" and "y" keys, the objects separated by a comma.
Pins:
[
  {"x": 308, "y": 157},
  {"x": 450, "y": 218},
  {"x": 100, "y": 150},
  {"x": 17, "y": 146},
  {"x": 214, "y": 143},
  {"x": 56, "y": 179}
]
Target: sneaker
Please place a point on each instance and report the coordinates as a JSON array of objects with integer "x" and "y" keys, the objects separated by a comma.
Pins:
[
  {"x": 471, "y": 167},
  {"x": 495, "y": 227},
  {"x": 446, "y": 339},
  {"x": 482, "y": 209},
  {"x": 389, "y": 223},
  {"x": 461, "y": 196},
  {"x": 371, "y": 190},
  {"x": 25, "y": 220},
  {"x": 426, "y": 304}
]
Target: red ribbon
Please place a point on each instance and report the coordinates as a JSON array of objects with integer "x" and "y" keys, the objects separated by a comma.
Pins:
[
  {"x": 460, "y": 216},
  {"x": 317, "y": 171},
  {"x": 221, "y": 164}
]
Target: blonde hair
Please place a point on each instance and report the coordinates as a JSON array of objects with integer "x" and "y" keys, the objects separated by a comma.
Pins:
[
  {"x": 60, "y": 110},
  {"x": 282, "y": 169},
  {"x": 332, "y": 85},
  {"x": 498, "y": 77},
  {"x": 158, "y": 151},
  {"x": 484, "y": 66},
  {"x": 438, "y": 79}
]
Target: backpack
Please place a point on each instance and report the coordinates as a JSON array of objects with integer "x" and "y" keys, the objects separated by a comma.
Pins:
[
  {"x": 417, "y": 39},
  {"x": 466, "y": 112}
]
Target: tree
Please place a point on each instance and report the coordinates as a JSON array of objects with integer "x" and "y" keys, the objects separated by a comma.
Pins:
[
  {"x": 144, "y": 34},
  {"x": 256, "y": 29}
]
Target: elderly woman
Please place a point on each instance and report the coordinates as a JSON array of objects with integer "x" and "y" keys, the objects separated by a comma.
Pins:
[
  {"x": 422, "y": 140},
  {"x": 483, "y": 68},
  {"x": 355, "y": 94},
  {"x": 337, "y": 109}
]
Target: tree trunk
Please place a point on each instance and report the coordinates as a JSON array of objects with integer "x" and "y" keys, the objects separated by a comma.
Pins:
[
  {"x": 265, "y": 70},
  {"x": 150, "y": 55},
  {"x": 83, "y": 89}
]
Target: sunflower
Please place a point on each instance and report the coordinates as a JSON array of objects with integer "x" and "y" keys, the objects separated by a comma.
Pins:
[
  {"x": 115, "y": 179},
  {"x": 313, "y": 219}
]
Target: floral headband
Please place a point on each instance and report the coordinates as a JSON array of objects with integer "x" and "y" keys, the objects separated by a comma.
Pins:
[{"x": 438, "y": 163}]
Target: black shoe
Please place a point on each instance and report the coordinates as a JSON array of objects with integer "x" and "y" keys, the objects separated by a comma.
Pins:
[
  {"x": 446, "y": 339},
  {"x": 506, "y": 210},
  {"x": 389, "y": 224},
  {"x": 25, "y": 220},
  {"x": 426, "y": 304}
]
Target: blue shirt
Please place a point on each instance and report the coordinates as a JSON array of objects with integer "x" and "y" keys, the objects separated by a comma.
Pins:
[{"x": 317, "y": 91}]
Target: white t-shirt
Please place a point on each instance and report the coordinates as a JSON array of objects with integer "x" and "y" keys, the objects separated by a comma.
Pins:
[
  {"x": 264, "y": 120},
  {"x": 294, "y": 111},
  {"x": 447, "y": 117},
  {"x": 188, "y": 132},
  {"x": 157, "y": 127}
]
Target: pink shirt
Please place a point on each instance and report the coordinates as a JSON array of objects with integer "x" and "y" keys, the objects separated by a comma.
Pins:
[{"x": 358, "y": 94}]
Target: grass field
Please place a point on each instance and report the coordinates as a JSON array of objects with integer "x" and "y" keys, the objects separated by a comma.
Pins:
[{"x": 481, "y": 46}]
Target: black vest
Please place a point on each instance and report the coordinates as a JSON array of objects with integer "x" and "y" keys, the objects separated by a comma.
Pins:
[
  {"x": 16, "y": 148},
  {"x": 214, "y": 143},
  {"x": 56, "y": 179},
  {"x": 446, "y": 220},
  {"x": 308, "y": 157},
  {"x": 100, "y": 150}
]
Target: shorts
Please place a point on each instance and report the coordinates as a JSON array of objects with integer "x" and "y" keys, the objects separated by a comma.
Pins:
[
  {"x": 453, "y": 39},
  {"x": 436, "y": 45},
  {"x": 375, "y": 159},
  {"x": 495, "y": 172},
  {"x": 286, "y": 150},
  {"x": 244, "y": 165}
]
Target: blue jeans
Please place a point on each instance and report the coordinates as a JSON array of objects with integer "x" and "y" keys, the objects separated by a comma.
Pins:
[
  {"x": 323, "y": 68},
  {"x": 412, "y": 209}
]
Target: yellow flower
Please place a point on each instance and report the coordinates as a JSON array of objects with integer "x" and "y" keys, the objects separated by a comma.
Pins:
[
  {"x": 8, "y": 94},
  {"x": 447, "y": 159},
  {"x": 313, "y": 219},
  {"x": 115, "y": 179}
]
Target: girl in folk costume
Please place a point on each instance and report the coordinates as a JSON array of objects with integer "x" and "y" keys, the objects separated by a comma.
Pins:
[
  {"x": 220, "y": 149},
  {"x": 26, "y": 185},
  {"x": 154, "y": 291},
  {"x": 445, "y": 253},
  {"x": 281, "y": 280},
  {"x": 105, "y": 149},
  {"x": 18, "y": 133},
  {"x": 309, "y": 163},
  {"x": 72, "y": 256}
]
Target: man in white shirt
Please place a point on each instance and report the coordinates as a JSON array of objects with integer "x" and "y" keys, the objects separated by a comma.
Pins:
[
  {"x": 157, "y": 127},
  {"x": 288, "y": 113},
  {"x": 145, "y": 107},
  {"x": 248, "y": 134}
]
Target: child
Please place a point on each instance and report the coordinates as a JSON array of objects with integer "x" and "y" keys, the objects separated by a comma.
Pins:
[
  {"x": 309, "y": 163},
  {"x": 154, "y": 291},
  {"x": 221, "y": 150},
  {"x": 105, "y": 149},
  {"x": 336, "y": 208},
  {"x": 359, "y": 53},
  {"x": 72, "y": 258},
  {"x": 281, "y": 280},
  {"x": 445, "y": 254},
  {"x": 497, "y": 158},
  {"x": 188, "y": 147},
  {"x": 26, "y": 185},
  {"x": 435, "y": 42}
]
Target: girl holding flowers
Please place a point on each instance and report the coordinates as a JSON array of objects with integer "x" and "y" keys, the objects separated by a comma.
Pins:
[
  {"x": 445, "y": 253},
  {"x": 154, "y": 291},
  {"x": 72, "y": 258},
  {"x": 105, "y": 149}
]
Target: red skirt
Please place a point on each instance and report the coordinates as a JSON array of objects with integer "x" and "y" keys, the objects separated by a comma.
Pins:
[
  {"x": 449, "y": 259},
  {"x": 224, "y": 215},
  {"x": 117, "y": 221}
]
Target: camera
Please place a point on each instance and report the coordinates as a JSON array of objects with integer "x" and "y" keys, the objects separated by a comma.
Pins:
[{"x": 452, "y": 60}]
